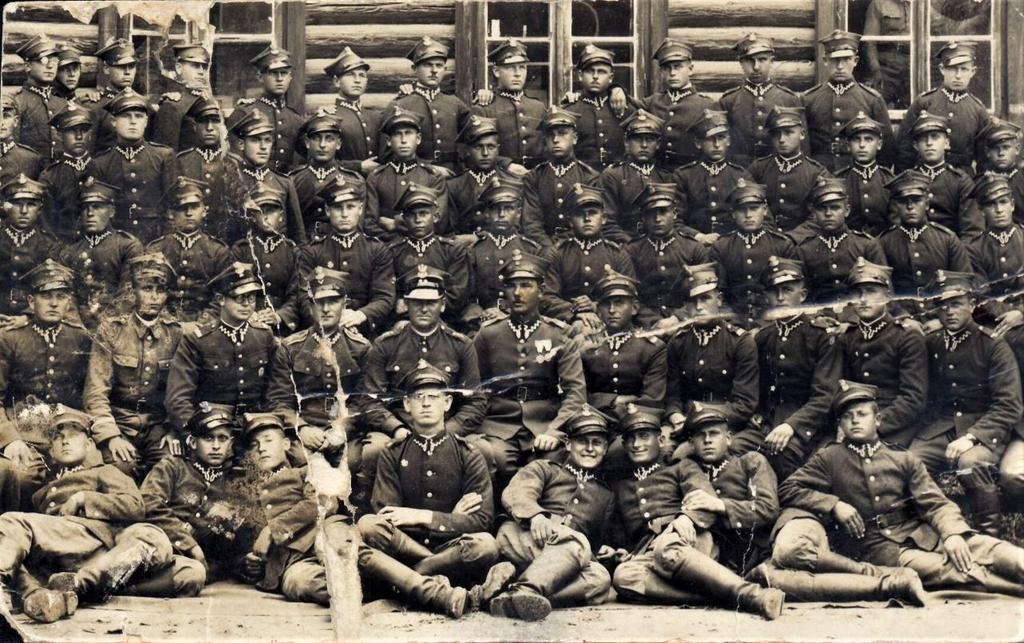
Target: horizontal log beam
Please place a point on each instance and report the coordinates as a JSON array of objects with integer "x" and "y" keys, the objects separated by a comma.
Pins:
[
  {"x": 371, "y": 12},
  {"x": 763, "y": 14},
  {"x": 791, "y": 43},
  {"x": 86, "y": 45},
  {"x": 386, "y": 74},
  {"x": 372, "y": 41},
  {"x": 718, "y": 76}
]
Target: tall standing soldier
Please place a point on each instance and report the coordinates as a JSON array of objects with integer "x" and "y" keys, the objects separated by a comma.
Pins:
[
  {"x": 127, "y": 377},
  {"x": 749, "y": 104},
  {"x": 173, "y": 126},
  {"x": 15, "y": 157},
  {"x": 274, "y": 71},
  {"x": 866, "y": 179},
  {"x": 206, "y": 163},
  {"x": 37, "y": 102},
  {"x": 831, "y": 104},
  {"x": 480, "y": 137},
  {"x": 359, "y": 126},
  {"x": 120, "y": 64},
  {"x": 62, "y": 177},
  {"x": 319, "y": 139}
]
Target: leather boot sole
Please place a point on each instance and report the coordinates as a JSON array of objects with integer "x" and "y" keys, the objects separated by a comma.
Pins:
[
  {"x": 530, "y": 606},
  {"x": 498, "y": 577},
  {"x": 909, "y": 587},
  {"x": 456, "y": 606},
  {"x": 772, "y": 603},
  {"x": 47, "y": 605}
]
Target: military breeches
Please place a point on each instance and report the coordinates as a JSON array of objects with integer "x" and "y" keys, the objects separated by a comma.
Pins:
[
  {"x": 992, "y": 556},
  {"x": 799, "y": 544},
  {"x": 1011, "y": 472},
  {"x": 784, "y": 463},
  {"x": 644, "y": 578},
  {"x": 976, "y": 467},
  {"x": 145, "y": 436}
]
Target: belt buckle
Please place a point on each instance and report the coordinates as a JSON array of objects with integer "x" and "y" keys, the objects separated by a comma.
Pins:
[
  {"x": 437, "y": 155},
  {"x": 522, "y": 393}
]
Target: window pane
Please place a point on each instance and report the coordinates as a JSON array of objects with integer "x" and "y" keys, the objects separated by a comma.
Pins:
[
  {"x": 231, "y": 74},
  {"x": 886, "y": 67},
  {"x": 518, "y": 20},
  {"x": 602, "y": 18},
  {"x": 242, "y": 17},
  {"x": 981, "y": 84},
  {"x": 538, "y": 82},
  {"x": 960, "y": 17},
  {"x": 879, "y": 17}
]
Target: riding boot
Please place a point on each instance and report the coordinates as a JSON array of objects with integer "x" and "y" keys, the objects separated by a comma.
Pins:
[
  {"x": 703, "y": 573},
  {"x": 901, "y": 584},
  {"x": 432, "y": 592},
  {"x": 986, "y": 516}
]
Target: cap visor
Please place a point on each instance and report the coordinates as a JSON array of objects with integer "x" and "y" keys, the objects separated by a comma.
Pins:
[
  {"x": 424, "y": 294},
  {"x": 245, "y": 289},
  {"x": 511, "y": 60},
  {"x": 958, "y": 60},
  {"x": 842, "y": 53},
  {"x": 327, "y": 293},
  {"x": 703, "y": 288}
]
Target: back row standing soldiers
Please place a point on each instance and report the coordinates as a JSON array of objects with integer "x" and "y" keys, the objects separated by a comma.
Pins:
[
  {"x": 274, "y": 71},
  {"x": 37, "y": 102},
  {"x": 120, "y": 64},
  {"x": 173, "y": 126}
]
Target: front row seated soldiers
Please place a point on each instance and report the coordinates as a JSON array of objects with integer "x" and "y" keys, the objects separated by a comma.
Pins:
[
  {"x": 533, "y": 369},
  {"x": 890, "y": 510},
  {"x": 194, "y": 500},
  {"x": 672, "y": 541},
  {"x": 283, "y": 558},
  {"x": 313, "y": 367},
  {"x": 788, "y": 173},
  {"x": 43, "y": 359},
  {"x": 581, "y": 260},
  {"x": 557, "y": 517},
  {"x": 866, "y": 178},
  {"x": 432, "y": 498},
  {"x": 100, "y": 256},
  {"x": 387, "y": 184},
  {"x": 798, "y": 363},
  {"x": 140, "y": 169},
  {"x": 85, "y": 536},
  {"x": 890, "y": 352},
  {"x": 396, "y": 353},
  {"x": 709, "y": 359},
  {"x": 949, "y": 201},
  {"x": 706, "y": 183},
  {"x": 661, "y": 254},
  {"x": 127, "y": 376},
  {"x": 319, "y": 141},
  {"x": 974, "y": 399},
  {"x": 222, "y": 362},
  {"x": 914, "y": 246},
  {"x": 743, "y": 254},
  {"x": 547, "y": 186},
  {"x": 419, "y": 244},
  {"x": 24, "y": 244},
  {"x": 274, "y": 257},
  {"x": 371, "y": 273},
  {"x": 197, "y": 255},
  {"x": 622, "y": 182},
  {"x": 502, "y": 204},
  {"x": 830, "y": 254}
]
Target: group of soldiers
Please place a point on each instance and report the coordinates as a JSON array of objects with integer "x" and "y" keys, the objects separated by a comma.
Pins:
[{"x": 683, "y": 350}]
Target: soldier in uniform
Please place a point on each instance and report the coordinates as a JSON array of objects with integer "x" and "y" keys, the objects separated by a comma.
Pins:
[
  {"x": 829, "y": 256},
  {"x": 518, "y": 115},
  {"x": 43, "y": 357},
  {"x": 359, "y": 126},
  {"x": 206, "y": 163},
  {"x": 660, "y": 255},
  {"x": 710, "y": 360},
  {"x": 371, "y": 281},
  {"x": 36, "y": 101},
  {"x": 69, "y": 72},
  {"x": 441, "y": 115},
  {"x": 953, "y": 100},
  {"x": 742, "y": 255},
  {"x": 274, "y": 71},
  {"x": 319, "y": 139},
  {"x": 15, "y": 158},
  {"x": 386, "y": 184},
  {"x": 671, "y": 540},
  {"x": 480, "y": 136},
  {"x": 535, "y": 371},
  {"x": 222, "y": 362},
  {"x": 397, "y": 352},
  {"x": 748, "y": 105},
  {"x": 911, "y": 524},
  {"x": 101, "y": 255},
  {"x": 1002, "y": 156},
  {"x": 799, "y": 362},
  {"x": 86, "y": 535},
  {"x": 705, "y": 184},
  {"x": 623, "y": 181},
  {"x": 915, "y": 247},
  {"x": 557, "y": 519},
  {"x": 679, "y": 105},
  {"x": 193, "y": 500},
  {"x": 599, "y": 124},
  {"x": 433, "y": 503},
  {"x": 546, "y": 186},
  {"x": 173, "y": 126},
  {"x": 865, "y": 178},
  {"x": 250, "y": 168},
  {"x": 141, "y": 169},
  {"x": 127, "y": 377},
  {"x": 198, "y": 256},
  {"x": 788, "y": 173},
  {"x": 119, "y": 68},
  {"x": 997, "y": 254},
  {"x": 24, "y": 243},
  {"x": 832, "y": 104},
  {"x": 60, "y": 214},
  {"x": 949, "y": 194}
]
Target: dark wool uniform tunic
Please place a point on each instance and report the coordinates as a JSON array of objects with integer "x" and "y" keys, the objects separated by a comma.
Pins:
[
  {"x": 197, "y": 259},
  {"x": 680, "y": 110},
  {"x": 143, "y": 172},
  {"x": 359, "y": 129},
  {"x": 869, "y": 198},
  {"x": 829, "y": 106},
  {"x": 703, "y": 189},
  {"x": 967, "y": 117},
  {"x": 545, "y": 189},
  {"x": 100, "y": 264},
  {"x": 916, "y": 253},
  {"x": 60, "y": 209},
  {"x": 789, "y": 186},
  {"x": 827, "y": 263},
  {"x": 20, "y": 252},
  {"x": 286, "y": 122},
  {"x": 385, "y": 186},
  {"x": 659, "y": 266},
  {"x": 36, "y": 106},
  {"x": 748, "y": 107},
  {"x": 621, "y": 183},
  {"x": 275, "y": 261},
  {"x": 625, "y": 365},
  {"x": 518, "y": 117},
  {"x": 574, "y": 270}
]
